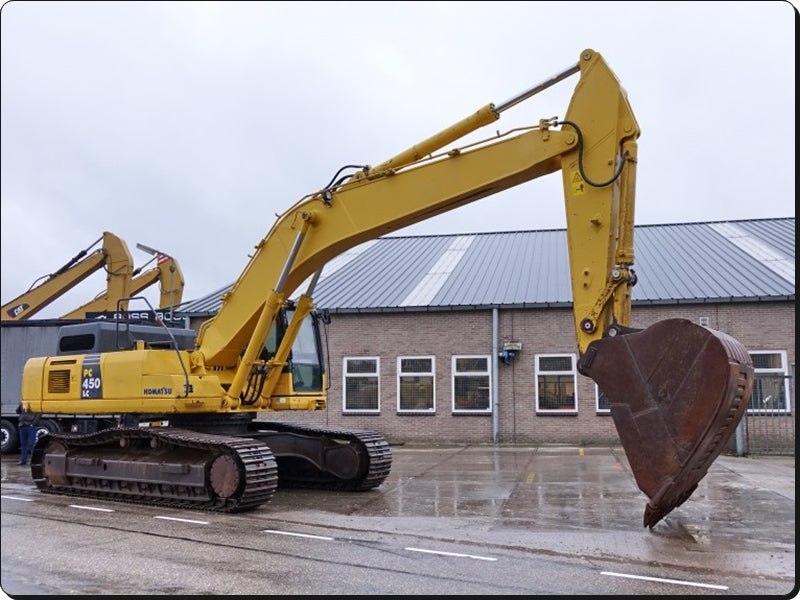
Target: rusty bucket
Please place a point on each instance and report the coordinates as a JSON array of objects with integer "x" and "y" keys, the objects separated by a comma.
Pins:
[{"x": 677, "y": 392}]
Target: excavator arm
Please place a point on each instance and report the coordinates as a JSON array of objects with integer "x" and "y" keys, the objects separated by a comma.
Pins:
[
  {"x": 676, "y": 389},
  {"x": 167, "y": 273},
  {"x": 595, "y": 148},
  {"x": 170, "y": 281},
  {"x": 113, "y": 256}
]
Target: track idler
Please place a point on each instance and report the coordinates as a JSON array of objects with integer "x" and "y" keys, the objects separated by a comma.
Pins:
[{"x": 677, "y": 392}]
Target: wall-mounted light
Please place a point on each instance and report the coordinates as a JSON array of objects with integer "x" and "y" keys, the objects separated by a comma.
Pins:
[{"x": 510, "y": 351}]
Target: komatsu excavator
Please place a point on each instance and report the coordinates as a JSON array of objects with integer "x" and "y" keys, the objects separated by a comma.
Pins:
[
  {"x": 677, "y": 390},
  {"x": 167, "y": 273},
  {"x": 113, "y": 256}
]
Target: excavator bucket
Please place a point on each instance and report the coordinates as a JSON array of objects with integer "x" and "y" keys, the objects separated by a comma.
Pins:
[{"x": 677, "y": 392}]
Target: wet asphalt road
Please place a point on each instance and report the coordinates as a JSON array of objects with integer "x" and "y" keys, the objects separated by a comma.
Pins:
[{"x": 528, "y": 512}]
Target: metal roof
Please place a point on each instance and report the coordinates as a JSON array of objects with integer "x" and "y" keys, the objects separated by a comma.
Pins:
[{"x": 725, "y": 261}]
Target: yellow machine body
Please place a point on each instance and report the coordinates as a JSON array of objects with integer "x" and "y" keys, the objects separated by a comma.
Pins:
[{"x": 650, "y": 377}]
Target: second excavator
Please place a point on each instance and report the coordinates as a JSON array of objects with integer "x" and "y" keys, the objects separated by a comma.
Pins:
[
  {"x": 167, "y": 273},
  {"x": 113, "y": 256},
  {"x": 677, "y": 390},
  {"x": 122, "y": 281}
]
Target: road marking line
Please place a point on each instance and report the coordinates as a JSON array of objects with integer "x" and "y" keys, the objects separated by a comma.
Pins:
[
  {"x": 17, "y": 498},
  {"x": 659, "y": 579},
  {"x": 181, "y": 520},
  {"x": 452, "y": 554},
  {"x": 91, "y": 508},
  {"x": 305, "y": 535}
]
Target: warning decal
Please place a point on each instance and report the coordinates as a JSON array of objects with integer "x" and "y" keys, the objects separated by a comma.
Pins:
[{"x": 578, "y": 184}]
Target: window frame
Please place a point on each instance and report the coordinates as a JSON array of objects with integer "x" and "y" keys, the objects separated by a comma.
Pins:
[
  {"x": 376, "y": 375},
  {"x": 431, "y": 375},
  {"x": 783, "y": 372},
  {"x": 537, "y": 372},
  {"x": 454, "y": 373},
  {"x": 598, "y": 394}
]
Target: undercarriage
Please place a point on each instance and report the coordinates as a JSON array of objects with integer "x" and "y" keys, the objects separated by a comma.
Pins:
[{"x": 200, "y": 469}]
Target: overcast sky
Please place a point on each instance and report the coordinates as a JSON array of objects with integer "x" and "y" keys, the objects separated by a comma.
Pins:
[{"x": 188, "y": 126}]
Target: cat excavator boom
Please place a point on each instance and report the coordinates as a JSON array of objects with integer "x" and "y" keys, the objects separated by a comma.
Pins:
[
  {"x": 113, "y": 256},
  {"x": 677, "y": 390}
]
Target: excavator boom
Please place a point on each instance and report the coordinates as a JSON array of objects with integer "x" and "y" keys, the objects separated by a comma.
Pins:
[
  {"x": 114, "y": 257},
  {"x": 170, "y": 279},
  {"x": 167, "y": 273},
  {"x": 677, "y": 390}
]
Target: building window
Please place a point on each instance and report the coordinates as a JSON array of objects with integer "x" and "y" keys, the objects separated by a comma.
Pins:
[
  {"x": 602, "y": 403},
  {"x": 415, "y": 384},
  {"x": 556, "y": 382},
  {"x": 362, "y": 384},
  {"x": 472, "y": 385},
  {"x": 770, "y": 389}
]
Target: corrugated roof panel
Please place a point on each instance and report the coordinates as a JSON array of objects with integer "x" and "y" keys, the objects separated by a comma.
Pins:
[
  {"x": 345, "y": 258},
  {"x": 434, "y": 279},
  {"x": 510, "y": 268},
  {"x": 411, "y": 260},
  {"x": 468, "y": 280},
  {"x": 209, "y": 304},
  {"x": 384, "y": 276},
  {"x": 778, "y": 233},
  {"x": 549, "y": 279},
  {"x": 762, "y": 252},
  {"x": 746, "y": 274},
  {"x": 690, "y": 262},
  {"x": 475, "y": 280},
  {"x": 686, "y": 267},
  {"x": 507, "y": 267}
]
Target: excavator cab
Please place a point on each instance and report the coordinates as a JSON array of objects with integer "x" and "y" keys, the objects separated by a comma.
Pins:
[
  {"x": 306, "y": 359},
  {"x": 304, "y": 367}
]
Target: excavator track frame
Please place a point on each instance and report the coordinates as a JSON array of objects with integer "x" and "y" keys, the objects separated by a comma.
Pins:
[
  {"x": 325, "y": 458},
  {"x": 159, "y": 467},
  {"x": 185, "y": 468}
]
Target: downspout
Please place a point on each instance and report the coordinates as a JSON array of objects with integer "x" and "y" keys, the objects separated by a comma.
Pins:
[{"x": 495, "y": 385}]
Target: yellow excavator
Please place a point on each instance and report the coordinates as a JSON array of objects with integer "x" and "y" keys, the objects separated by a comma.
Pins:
[
  {"x": 188, "y": 436},
  {"x": 122, "y": 281},
  {"x": 113, "y": 256},
  {"x": 167, "y": 273}
]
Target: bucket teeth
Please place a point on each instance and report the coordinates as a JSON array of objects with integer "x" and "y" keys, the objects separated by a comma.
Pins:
[{"x": 677, "y": 391}]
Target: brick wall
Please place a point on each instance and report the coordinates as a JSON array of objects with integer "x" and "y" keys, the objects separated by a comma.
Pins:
[{"x": 759, "y": 326}]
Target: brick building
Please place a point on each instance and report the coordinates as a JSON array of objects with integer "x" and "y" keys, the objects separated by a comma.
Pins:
[{"x": 470, "y": 338}]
